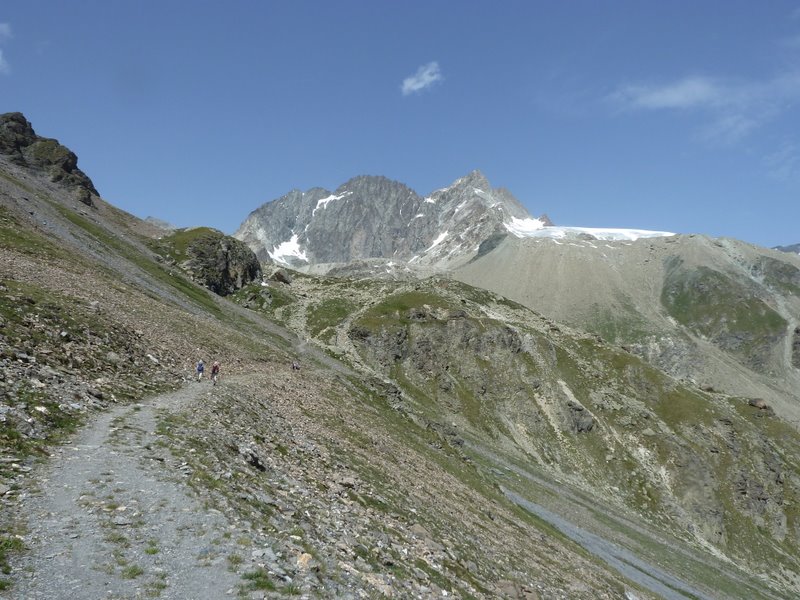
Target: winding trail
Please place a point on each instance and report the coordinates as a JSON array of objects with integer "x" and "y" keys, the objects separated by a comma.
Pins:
[{"x": 114, "y": 519}]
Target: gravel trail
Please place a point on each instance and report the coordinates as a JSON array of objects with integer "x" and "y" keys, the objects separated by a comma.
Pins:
[{"x": 113, "y": 518}]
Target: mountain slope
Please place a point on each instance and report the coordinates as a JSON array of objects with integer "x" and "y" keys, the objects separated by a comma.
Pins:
[
  {"x": 338, "y": 493},
  {"x": 720, "y": 313},
  {"x": 695, "y": 481}
]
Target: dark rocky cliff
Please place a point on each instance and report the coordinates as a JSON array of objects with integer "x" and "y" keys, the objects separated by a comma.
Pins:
[
  {"x": 217, "y": 261},
  {"x": 20, "y": 143}
]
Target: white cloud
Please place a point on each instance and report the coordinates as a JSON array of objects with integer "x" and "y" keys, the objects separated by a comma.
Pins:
[
  {"x": 730, "y": 128},
  {"x": 734, "y": 109},
  {"x": 425, "y": 77},
  {"x": 4, "y": 68},
  {"x": 687, "y": 93}
]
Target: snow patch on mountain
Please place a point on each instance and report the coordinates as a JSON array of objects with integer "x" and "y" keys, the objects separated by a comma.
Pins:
[
  {"x": 288, "y": 249},
  {"x": 436, "y": 242},
  {"x": 537, "y": 228},
  {"x": 323, "y": 202},
  {"x": 524, "y": 227}
]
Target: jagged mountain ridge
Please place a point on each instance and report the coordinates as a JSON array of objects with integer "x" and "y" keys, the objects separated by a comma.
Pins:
[
  {"x": 793, "y": 248},
  {"x": 375, "y": 217}
]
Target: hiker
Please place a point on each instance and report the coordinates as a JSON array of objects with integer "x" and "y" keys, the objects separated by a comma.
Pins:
[
  {"x": 214, "y": 372},
  {"x": 200, "y": 368}
]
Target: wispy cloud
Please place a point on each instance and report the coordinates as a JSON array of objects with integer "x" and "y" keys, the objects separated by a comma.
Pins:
[
  {"x": 784, "y": 163},
  {"x": 5, "y": 35},
  {"x": 734, "y": 108},
  {"x": 424, "y": 78},
  {"x": 688, "y": 93}
]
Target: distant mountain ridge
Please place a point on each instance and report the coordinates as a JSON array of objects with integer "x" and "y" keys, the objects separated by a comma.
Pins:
[
  {"x": 794, "y": 248},
  {"x": 375, "y": 217}
]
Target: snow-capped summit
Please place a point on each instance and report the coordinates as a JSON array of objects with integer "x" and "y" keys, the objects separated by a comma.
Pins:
[
  {"x": 372, "y": 217},
  {"x": 375, "y": 217}
]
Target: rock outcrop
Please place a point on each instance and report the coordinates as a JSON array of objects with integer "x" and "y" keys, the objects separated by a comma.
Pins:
[
  {"x": 20, "y": 143},
  {"x": 217, "y": 261}
]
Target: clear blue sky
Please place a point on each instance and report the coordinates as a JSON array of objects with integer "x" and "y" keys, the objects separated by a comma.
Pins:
[{"x": 680, "y": 116}]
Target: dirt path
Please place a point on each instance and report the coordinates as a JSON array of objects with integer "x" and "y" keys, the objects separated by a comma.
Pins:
[{"x": 114, "y": 519}]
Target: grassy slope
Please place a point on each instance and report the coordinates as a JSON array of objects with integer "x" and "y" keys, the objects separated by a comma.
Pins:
[{"x": 659, "y": 448}]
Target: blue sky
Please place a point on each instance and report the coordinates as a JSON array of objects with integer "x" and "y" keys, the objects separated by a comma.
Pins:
[{"x": 680, "y": 116}]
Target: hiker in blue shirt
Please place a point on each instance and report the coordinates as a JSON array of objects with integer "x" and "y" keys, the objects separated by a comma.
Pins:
[{"x": 200, "y": 368}]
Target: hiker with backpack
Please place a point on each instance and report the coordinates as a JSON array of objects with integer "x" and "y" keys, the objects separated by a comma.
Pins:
[
  {"x": 214, "y": 372},
  {"x": 199, "y": 369}
]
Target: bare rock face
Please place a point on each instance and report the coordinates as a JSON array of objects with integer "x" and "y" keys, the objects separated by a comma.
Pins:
[
  {"x": 222, "y": 263},
  {"x": 372, "y": 217},
  {"x": 20, "y": 143}
]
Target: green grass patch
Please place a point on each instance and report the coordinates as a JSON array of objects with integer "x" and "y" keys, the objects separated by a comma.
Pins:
[
  {"x": 258, "y": 580},
  {"x": 724, "y": 310},
  {"x": 176, "y": 244},
  {"x": 328, "y": 313},
  {"x": 264, "y": 299},
  {"x": 14, "y": 235},
  {"x": 396, "y": 308},
  {"x": 132, "y": 572},
  {"x": 8, "y": 545}
]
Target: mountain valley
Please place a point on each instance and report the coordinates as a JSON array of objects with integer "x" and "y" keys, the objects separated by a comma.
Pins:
[{"x": 487, "y": 405}]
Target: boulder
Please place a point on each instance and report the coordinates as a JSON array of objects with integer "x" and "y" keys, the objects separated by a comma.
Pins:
[{"x": 282, "y": 276}]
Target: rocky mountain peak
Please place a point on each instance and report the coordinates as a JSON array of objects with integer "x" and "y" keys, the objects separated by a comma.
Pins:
[
  {"x": 373, "y": 217},
  {"x": 474, "y": 179},
  {"x": 19, "y": 142},
  {"x": 374, "y": 187}
]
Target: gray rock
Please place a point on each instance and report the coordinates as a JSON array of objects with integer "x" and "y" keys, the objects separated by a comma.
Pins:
[{"x": 374, "y": 217}]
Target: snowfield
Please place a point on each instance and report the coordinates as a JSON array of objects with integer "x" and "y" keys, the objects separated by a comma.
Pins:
[{"x": 536, "y": 228}]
